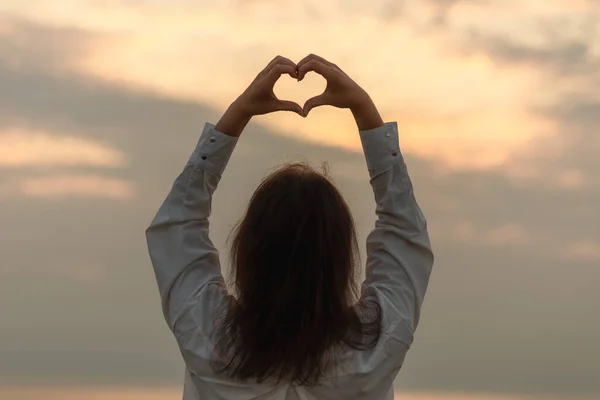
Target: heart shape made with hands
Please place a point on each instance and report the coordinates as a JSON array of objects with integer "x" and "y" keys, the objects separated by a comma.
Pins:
[{"x": 288, "y": 88}]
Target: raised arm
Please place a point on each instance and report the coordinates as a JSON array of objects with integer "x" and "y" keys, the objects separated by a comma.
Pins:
[
  {"x": 183, "y": 256},
  {"x": 185, "y": 260},
  {"x": 399, "y": 255}
]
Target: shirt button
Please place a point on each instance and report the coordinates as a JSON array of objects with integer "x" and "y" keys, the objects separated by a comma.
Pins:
[
  {"x": 204, "y": 157},
  {"x": 387, "y": 134},
  {"x": 394, "y": 154},
  {"x": 212, "y": 139}
]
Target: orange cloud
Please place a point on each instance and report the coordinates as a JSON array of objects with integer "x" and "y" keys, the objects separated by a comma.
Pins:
[
  {"x": 463, "y": 110},
  {"x": 25, "y": 148},
  {"x": 449, "y": 106}
]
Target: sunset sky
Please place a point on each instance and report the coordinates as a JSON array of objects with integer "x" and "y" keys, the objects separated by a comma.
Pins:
[{"x": 498, "y": 108}]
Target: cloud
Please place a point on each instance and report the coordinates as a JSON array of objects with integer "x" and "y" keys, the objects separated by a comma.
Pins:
[
  {"x": 584, "y": 250},
  {"x": 564, "y": 58},
  {"x": 579, "y": 112},
  {"x": 560, "y": 41},
  {"x": 77, "y": 186},
  {"x": 570, "y": 158},
  {"x": 25, "y": 44},
  {"x": 571, "y": 179},
  {"x": 23, "y": 148},
  {"x": 451, "y": 106},
  {"x": 489, "y": 298}
]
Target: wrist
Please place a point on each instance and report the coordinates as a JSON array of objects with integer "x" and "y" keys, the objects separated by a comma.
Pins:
[
  {"x": 234, "y": 120},
  {"x": 366, "y": 115},
  {"x": 239, "y": 109}
]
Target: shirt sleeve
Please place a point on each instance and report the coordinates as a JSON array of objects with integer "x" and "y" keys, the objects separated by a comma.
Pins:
[
  {"x": 399, "y": 254},
  {"x": 183, "y": 256}
]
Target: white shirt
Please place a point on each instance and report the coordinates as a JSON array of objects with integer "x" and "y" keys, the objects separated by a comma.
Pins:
[{"x": 193, "y": 292}]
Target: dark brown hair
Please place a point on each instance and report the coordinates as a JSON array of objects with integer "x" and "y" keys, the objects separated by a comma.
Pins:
[{"x": 294, "y": 263}]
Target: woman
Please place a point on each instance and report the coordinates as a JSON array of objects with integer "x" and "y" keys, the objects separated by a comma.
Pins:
[{"x": 298, "y": 327}]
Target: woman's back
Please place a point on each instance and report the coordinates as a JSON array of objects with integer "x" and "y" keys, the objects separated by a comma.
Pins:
[{"x": 360, "y": 374}]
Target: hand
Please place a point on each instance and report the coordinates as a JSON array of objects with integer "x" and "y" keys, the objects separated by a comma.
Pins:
[
  {"x": 341, "y": 91},
  {"x": 259, "y": 98}
]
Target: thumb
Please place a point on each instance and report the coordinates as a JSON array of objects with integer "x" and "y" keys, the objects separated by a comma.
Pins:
[
  {"x": 316, "y": 101},
  {"x": 286, "y": 105}
]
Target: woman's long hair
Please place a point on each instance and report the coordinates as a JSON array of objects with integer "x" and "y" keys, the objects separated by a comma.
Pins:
[{"x": 294, "y": 267}]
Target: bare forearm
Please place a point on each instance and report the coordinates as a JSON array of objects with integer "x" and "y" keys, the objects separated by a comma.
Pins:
[
  {"x": 233, "y": 121},
  {"x": 366, "y": 114}
]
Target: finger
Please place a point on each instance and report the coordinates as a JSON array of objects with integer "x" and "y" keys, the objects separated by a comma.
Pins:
[
  {"x": 286, "y": 105},
  {"x": 316, "y": 66},
  {"x": 279, "y": 60},
  {"x": 279, "y": 70},
  {"x": 315, "y": 57},
  {"x": 317, "y": 101}
]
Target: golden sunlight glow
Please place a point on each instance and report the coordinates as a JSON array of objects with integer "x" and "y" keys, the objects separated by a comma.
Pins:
[
  {"x": 460, "y": 108},
  {"x": 24, "y": 148},
  {"x": 58, "y": 186},
  {"x": 448, "y": 106}
]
